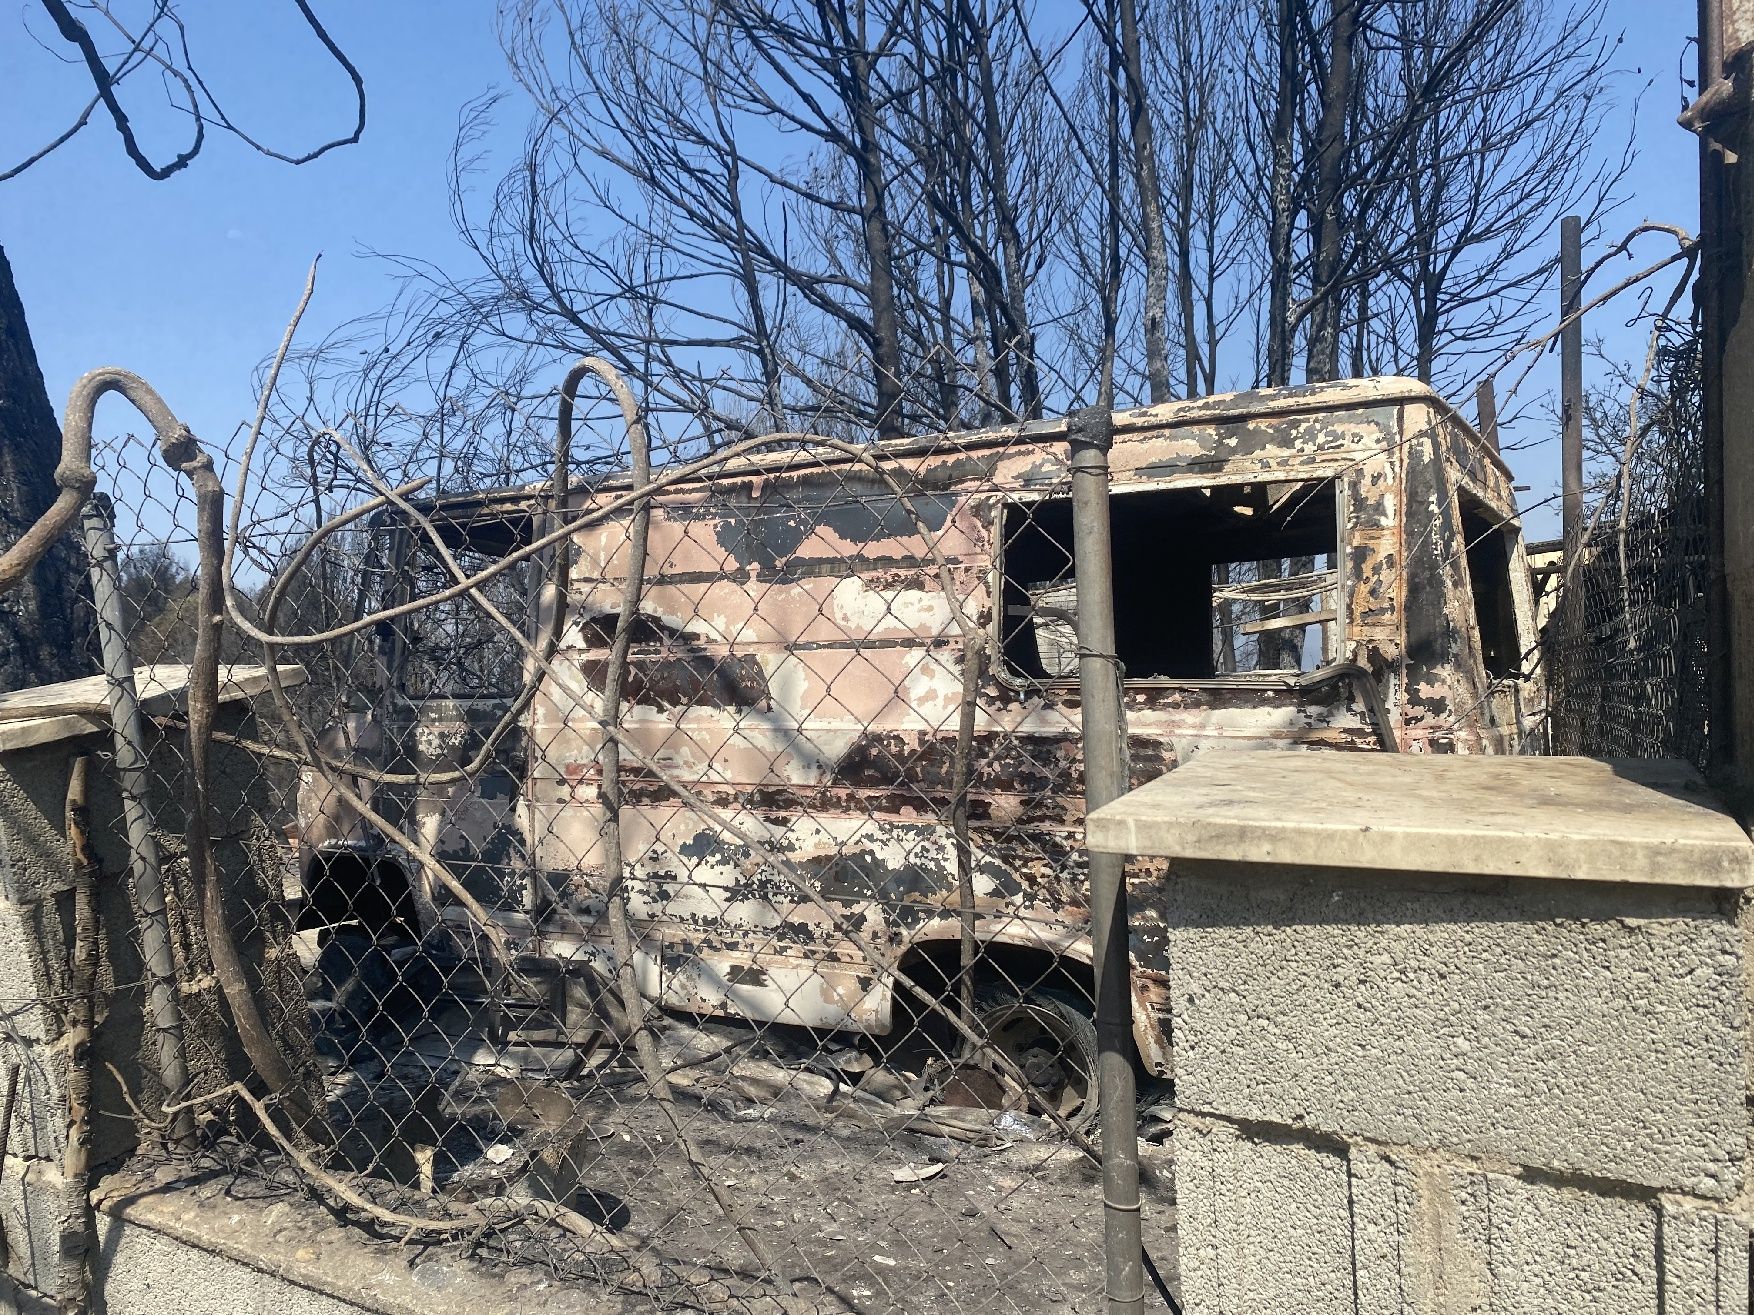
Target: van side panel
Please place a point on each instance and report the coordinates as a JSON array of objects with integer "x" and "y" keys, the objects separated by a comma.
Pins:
[{"x": 799, "y": 665}]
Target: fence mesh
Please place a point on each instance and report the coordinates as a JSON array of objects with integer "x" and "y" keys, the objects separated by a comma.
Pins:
[
  {"x": 711, "y": 928},
  {"x": 1626, "y": 643},
  {"x": 676, "y": 881}
]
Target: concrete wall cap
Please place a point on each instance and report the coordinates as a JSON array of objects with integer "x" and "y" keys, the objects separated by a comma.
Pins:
[
  {"x": 1579, "y": 819},
  {"x": 44, "y": 714}
]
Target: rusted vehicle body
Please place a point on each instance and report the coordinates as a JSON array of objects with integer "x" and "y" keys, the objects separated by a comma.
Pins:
[{"x": 1330, "y": 567}]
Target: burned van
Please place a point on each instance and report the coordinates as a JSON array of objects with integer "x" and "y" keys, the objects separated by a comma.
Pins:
[{"x": 865, "y": 661}]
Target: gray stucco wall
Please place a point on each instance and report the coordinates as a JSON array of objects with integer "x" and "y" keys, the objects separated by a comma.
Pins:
[
  {"x": 172, "y": 1243},
  {"x": 1582, "y": 1027},
  {"x": 1401, "y": 1090},
  {"x": 1407, "y": 1092},
  {"x": 1293, "y": 1225}
]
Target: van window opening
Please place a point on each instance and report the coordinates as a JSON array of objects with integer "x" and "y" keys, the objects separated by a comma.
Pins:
[
  {"x": 1488, "y": 546},
  {"x": 452, "y": 650},
  {"x": 1212, "y": 581}
]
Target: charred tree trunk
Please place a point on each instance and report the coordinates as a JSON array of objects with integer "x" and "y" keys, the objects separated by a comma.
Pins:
[
  {"x": 938, "y": 165},
  {"x": 989, "y": 399},
  {"x": 1279, "y": 251},
  {"x": 855, "y": 78},
  {"x": 41, "y": 638},
  {"x": 1323, "y": 362},
  {"x": 1184, "y": 260},
  {"x": 1111, "y": 244},
  {"x": 1018, "y": 343},
  {"x": 1144, "y": 142},
  {"x": 761, "y": 331}
]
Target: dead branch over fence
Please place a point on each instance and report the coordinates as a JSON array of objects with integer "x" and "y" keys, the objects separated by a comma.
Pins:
[{"x": 671, "y": 873}]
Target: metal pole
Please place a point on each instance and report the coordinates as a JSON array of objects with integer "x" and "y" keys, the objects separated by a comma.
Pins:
[
  {"x": 163, "y": 1011},
  {"x": 1089, "y": 433},
  {"x": 1486, "y": 408},
  {"x": 1571, "y": 379},
  {"x": 1718, "y": 292}
]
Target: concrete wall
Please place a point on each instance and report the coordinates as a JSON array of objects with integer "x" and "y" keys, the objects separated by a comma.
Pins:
[
  {"x": 1585, "y": 1027},
  {"x": 1292, "y": 1224},
  {"x": 1453, "y": 1035},
  {"x": 171, "y": 1243},
  {"x": 1421, "y": 1093}
]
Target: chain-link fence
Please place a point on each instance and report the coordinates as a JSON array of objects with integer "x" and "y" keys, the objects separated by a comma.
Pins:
[
  {"x": 689, "y": 901},
  {"x": 669, "y": 871},
  {"x": 1626, "y": 641}
]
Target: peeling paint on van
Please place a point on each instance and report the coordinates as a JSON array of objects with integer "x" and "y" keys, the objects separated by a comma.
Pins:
[{"x": 799, "y": 666}]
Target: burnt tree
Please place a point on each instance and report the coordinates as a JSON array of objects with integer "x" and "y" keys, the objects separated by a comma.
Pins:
[{"x": 41, "y": 634}]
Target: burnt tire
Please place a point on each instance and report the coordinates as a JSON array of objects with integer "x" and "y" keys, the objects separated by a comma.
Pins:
[{"x": 1051, "y": 1036}]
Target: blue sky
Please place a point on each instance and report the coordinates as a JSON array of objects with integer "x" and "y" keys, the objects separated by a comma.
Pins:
[{"x": 190, "y": 281}]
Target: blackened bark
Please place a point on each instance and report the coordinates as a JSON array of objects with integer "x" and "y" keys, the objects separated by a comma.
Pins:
[
  {"x": 1184, "y": 254},
  {"x": 1323, "y": 361},
  {"x": 1111, "y": 245},
  {"x": 1019, "y": 334},
  {"x": 41, "y": 638},
  {"x": 767, "y": 350},
  {"x": 1144, "y": 141},
  {"x": 879, "y": 246},
  {"x": 1279, "y": 255}
]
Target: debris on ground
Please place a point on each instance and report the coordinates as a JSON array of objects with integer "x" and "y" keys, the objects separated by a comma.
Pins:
[{"x": 782, "y": 1116}]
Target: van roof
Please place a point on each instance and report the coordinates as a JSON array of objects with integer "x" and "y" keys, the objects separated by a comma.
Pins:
[{"x": 1255, "y": 403}]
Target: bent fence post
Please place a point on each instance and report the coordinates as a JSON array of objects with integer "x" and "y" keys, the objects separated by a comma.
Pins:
[{"x": 128, "y": 731}]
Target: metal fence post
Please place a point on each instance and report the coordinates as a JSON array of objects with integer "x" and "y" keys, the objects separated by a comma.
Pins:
[
  {"x": 1090, "y": 433},
  {"x": 163, "y": 1011}
]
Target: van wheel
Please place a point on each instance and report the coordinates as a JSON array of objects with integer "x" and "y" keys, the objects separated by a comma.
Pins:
[{"x": 1051, "y": 1038}]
